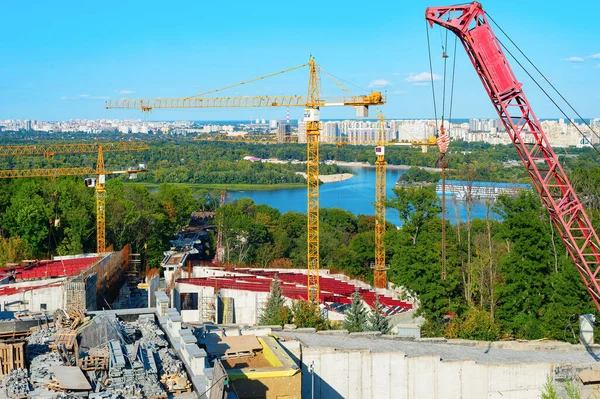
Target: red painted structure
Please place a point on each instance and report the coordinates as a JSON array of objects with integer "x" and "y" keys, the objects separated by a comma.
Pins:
[
  {"x": 293, "y": 286},
  {"x": 469, "y": 23}
]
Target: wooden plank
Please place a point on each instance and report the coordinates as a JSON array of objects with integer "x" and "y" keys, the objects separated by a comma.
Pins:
[{"x": 233, "y": 345}]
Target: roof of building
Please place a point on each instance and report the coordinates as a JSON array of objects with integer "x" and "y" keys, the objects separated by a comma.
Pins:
[
  {"x": 55, "y": 268},
  {"x": 8, "y": 290},
  {"x": 450, "y": 350},
  {"x": 486, "y": 184},
  {"x": 293, "y": 286}
]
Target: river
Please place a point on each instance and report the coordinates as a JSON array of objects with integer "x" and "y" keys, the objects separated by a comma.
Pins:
[{"x": 356, "y": 195}]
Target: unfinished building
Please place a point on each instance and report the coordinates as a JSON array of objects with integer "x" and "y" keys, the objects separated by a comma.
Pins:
[
  {"x": 237, "y": 295},
  {"x": 83, "y": 281}
]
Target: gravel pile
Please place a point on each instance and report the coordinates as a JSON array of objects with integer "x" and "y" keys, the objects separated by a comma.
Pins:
[{"x": 16, "y": 384}]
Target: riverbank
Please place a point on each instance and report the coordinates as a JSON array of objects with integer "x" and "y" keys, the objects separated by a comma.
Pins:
[
  {"x": 331, "y": 178},
  {"x": 390, "y": 167},
  {"x": 229, "y": 187}
]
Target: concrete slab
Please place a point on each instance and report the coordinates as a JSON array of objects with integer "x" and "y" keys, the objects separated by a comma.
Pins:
[
  {"x": 590, "y": 377},
  {"x": 576, "y": 355},
  {"x": 71, "y": 378}
]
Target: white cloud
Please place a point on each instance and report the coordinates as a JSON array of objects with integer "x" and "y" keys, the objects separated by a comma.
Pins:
[
  {"x": 124, "y": 92},
  {"x": 399, "y": 92},
  {"x": 574, "y": 59},
  {"x": 422, "y": 77},
  {"x": 595, "y": 56},
  {"x": 380, "y": 83}
]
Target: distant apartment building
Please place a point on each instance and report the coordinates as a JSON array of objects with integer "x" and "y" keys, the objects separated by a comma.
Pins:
[{"x": 284, "y": 131}]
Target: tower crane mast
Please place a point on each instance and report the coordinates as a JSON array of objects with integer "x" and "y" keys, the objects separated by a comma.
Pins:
[
  {"x": 469, "y": 23},
  {"x": 380, "y": 269},
  {"x": 99, "y": 171},
  {"x": 312, "y": 104}
]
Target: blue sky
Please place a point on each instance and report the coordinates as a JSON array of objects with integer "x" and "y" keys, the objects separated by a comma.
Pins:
[{"x": 62, "y": 59}]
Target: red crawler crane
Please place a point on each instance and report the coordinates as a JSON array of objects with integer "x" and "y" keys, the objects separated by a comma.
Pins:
[{"x": 469, "y": 23}]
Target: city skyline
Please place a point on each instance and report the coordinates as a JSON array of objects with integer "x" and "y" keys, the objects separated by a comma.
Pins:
[
  {"x": 560, "y": 132},
  {"x": 70, "y": 60}
]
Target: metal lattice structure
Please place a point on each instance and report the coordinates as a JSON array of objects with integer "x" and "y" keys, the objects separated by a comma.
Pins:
[
  {"x": 311, "y": 103},
  {"x": 313, "y": 129},
  {"x": 380, "y": 269},
  {"x": 99, "y": 171},
  {"x": 469, "y": 23},
  {"x": 79, "y": 148}
]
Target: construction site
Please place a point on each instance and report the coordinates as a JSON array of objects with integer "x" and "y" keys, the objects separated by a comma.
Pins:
[{"x": 98, "y": 326}]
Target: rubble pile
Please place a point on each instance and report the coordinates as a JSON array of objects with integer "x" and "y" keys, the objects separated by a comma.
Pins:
[
  {"x": 40, "y": 368},
  {"x": 171, "y": 369},
  {"x": 16, "y": 384},
  {"x": 40, "y": 336},
  {"x": 134, "y": 360}
]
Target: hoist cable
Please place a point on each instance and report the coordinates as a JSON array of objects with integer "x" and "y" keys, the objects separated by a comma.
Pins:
[
  {"x": 431, "y": 75},
  {"x": 546, "y": 93},
  {"x": 547, "y": 81}
]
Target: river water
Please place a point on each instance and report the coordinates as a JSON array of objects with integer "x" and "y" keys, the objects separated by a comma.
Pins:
[{"x": 356, "y": 195}]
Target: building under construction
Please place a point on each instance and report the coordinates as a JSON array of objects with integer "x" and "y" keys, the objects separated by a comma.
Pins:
[{"x": 87, "y": 281}]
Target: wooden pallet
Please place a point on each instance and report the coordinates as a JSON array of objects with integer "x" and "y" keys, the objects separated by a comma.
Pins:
[
  {"x": 179, "y": 391},
  {"x": 64, "y": 336},
  {"x": 94, "y": 363},
  {"x": 12, "y": 356}
]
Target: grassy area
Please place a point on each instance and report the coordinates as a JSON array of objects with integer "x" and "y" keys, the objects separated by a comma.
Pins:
[{"x": 230, "y": 187}]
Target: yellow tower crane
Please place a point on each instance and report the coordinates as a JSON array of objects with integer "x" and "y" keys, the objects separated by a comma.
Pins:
[
  {"x": 312, "y": 103},
  {"x": 50, "y": 150},
  {"x": 380, "y": 269}
]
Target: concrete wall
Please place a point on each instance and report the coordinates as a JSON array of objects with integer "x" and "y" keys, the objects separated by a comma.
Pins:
[
  {"x": 152, "y": 287},
  {"x": 52, "y": 297},
  {"x": 361, "y": 374},
  {"x": 244, "y": 302}
]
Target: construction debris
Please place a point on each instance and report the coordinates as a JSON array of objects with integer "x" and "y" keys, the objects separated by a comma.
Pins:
[
  {"x": 70, "y": 378},
  {"x": 16, "y": 384},
  {"x": 40, "y": 368},
  {"x": 136, "y": 362},
  {"x": 70, "y": 318}
]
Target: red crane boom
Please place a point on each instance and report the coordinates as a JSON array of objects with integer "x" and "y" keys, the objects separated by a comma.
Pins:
[{"x": 469, "y": 23}]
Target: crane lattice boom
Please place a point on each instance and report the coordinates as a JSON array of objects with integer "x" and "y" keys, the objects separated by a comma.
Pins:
[
  {"x": 312, "y": 102},
  {"x": 469, "y": 23},
  {"x": 79, "y": 148}
]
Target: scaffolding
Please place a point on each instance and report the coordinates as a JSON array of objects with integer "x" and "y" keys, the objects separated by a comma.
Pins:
[{"x": 207, "y": 306}]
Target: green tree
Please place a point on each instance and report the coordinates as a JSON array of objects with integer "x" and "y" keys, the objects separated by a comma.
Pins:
[
  {"x": 13, "y": 249},
  {"x": 377, "y": 320},
  {"x": 355, "y": 317},
  {"x": 178, "y": 201},
  {"x": 473, "y": 324},
  {"x": 275, "y": 311},
  {"x": 308, "y": 314},
  {"x": 415, "y": 206}
]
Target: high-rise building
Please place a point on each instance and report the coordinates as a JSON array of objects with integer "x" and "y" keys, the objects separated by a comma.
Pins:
[{"x": 284, "y": 132}]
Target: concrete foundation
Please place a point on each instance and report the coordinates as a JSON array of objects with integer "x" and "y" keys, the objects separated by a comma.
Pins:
[{"x": 361, "y": 374}]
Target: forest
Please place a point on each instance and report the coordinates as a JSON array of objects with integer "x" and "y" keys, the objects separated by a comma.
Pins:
[{"x": 505, "y": 278}]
